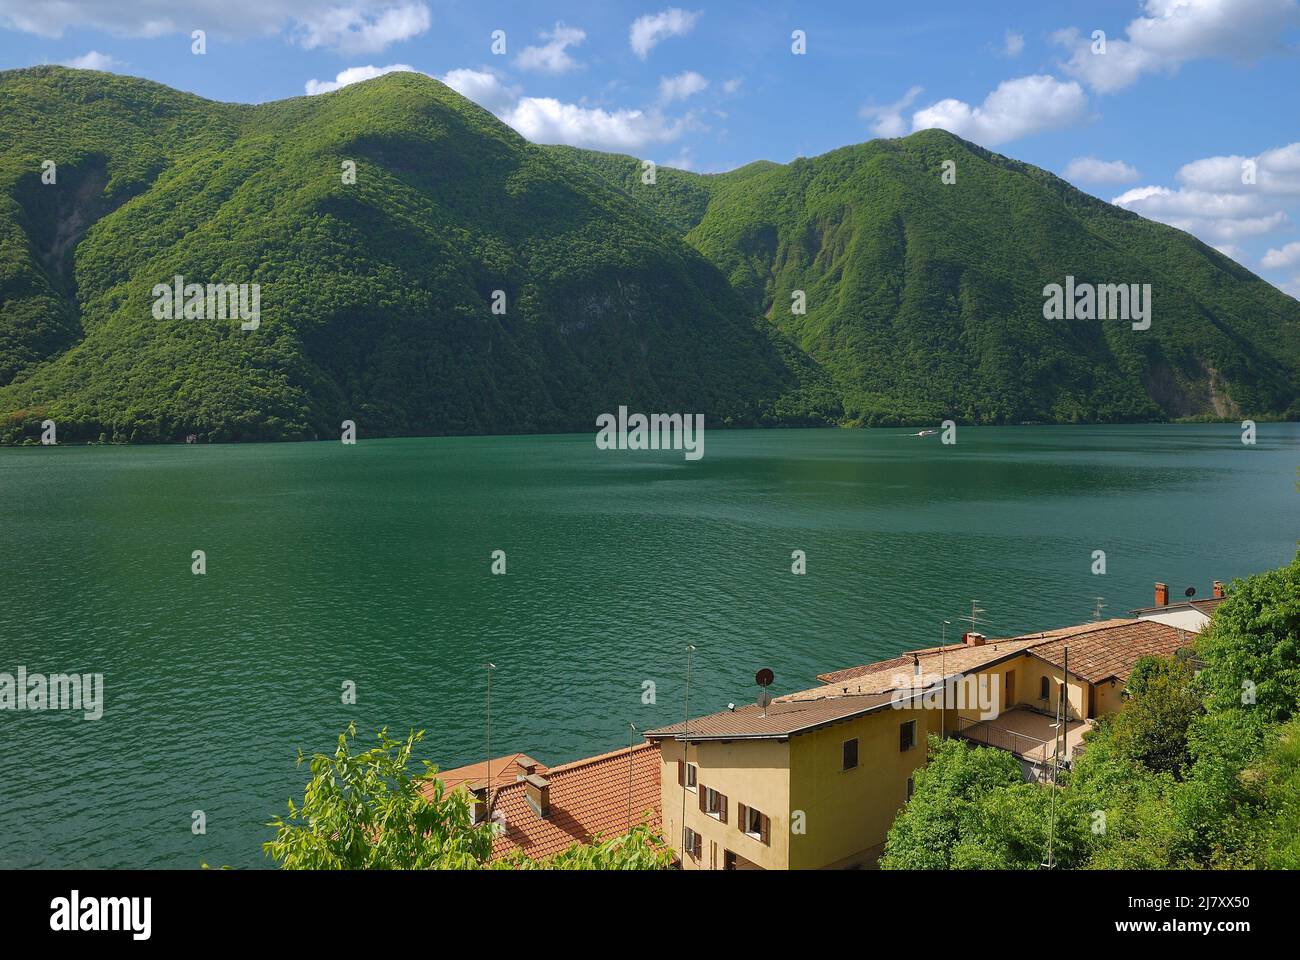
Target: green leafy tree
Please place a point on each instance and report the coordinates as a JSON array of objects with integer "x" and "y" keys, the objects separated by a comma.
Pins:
[
  {"x": 363, "y": 811},
  {"x": 1152, "y": 729},
  {"x": 944, "y": 803}
]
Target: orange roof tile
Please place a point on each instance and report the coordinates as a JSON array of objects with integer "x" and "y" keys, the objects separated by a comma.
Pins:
[
  {"x": 505, "y": 770},
  {"x": 1113, "y": 647},
  {"x": 588, "y": 799}
]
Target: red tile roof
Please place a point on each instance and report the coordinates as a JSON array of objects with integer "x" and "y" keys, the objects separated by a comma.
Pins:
[
  {"x": 588, "y": 799},
  {"x": 1112, "y": 649},
  {"x": 505, "y": 770}
]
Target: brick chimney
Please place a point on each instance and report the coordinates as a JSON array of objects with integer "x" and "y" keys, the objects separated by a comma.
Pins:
[
  {"x": 973, "y": 639},
  {"x": 1162, "y": 595},
  {"x": 1218, "y": 588},
  {"x": 537, "y": 791}
]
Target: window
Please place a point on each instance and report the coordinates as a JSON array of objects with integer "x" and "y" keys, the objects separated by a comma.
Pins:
[
  {"x": 911, "y": 787},
  {"x": 692, "y": 843},
  {"x": 686, "y": 775},
  {"x": 713, "y": 803},
  {"x": 850, "y": 751},
  {"x": 1043, "y": 689},
  {"x": 754, "y": 823},
  {"x": 906, "y": 735}
]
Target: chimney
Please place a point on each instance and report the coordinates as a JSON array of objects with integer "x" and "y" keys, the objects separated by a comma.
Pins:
[
  {"x": 1162, "y": 595},
  {"x": 537, "y": 791},
  {"x": 478, "y": 812},
  {"x": 1218, "y": 589},
  {"x": 525, "y": 769},
  {"x": 973, "y": 639},
  {"x": 916, "y": 665}
]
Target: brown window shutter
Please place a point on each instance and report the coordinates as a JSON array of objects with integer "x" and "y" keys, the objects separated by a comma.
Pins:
[
  {"x": 722, "y": 808},
  {"x": 740, "y": 816},
  {"x": 765, "y": 829},
  {"x": 699, "y": 847},
  {"x": 703, "y": 794},
  {"x": 681, "y": 773}
]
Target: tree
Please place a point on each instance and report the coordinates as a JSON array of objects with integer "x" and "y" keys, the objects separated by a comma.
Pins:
[
  {"x": 1152, "y": 728},
  {"x": 363, "y": 811},
  {"x": 943, "y": 809},
  {"x": 1252, "y": 647}
]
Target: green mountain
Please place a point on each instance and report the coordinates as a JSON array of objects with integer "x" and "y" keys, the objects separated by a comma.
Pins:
[
  {"x": 924, "y": 299},
  {"x": 376, "y": 297}
]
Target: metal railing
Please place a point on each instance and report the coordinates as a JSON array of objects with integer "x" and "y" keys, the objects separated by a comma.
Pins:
[{"x": 1002, "y": 738}]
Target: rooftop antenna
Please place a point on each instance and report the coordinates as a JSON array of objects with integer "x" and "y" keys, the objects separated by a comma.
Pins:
[
  {"x": 764, "y": 679},
  {"x": 974, "y": 617},
  {"x": 1062, "y": 710},
  {"x": 489, "y": 667},
  {"x": 943, "y": 669},
  {"x": 1096, "y": 613},
  {"x": 686, "y": 726},
  {"x": 631, "y": 743}
]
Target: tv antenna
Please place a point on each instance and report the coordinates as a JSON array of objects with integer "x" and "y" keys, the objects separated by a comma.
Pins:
[{"x": 974, "y": 618}]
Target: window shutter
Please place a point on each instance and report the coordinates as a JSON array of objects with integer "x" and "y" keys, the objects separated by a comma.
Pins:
[
  {"x": 681, "y": 773},
  {"x": 699, "y": 847},
  {"x": 740, "y": 817},
  {"x": 765, "y": 829},
  {"x": 704, "y": 793},
  {"x": 722, "y": 808}
]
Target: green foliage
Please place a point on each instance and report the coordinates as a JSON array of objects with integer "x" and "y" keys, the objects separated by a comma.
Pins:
[
  {"x": 945, "y": 804},
  {"x": 364, "y": 811},
  {"x": 1253, "y": 646},
  {"x": 1185, "y": 775},
  {"x": 1153, "y": 730},
  {"x": 924, "y": 298},
  {"x": 376, "y": 296}
]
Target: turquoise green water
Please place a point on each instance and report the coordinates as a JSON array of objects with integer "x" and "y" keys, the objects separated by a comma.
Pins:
[{"x": 371, "y": 564}]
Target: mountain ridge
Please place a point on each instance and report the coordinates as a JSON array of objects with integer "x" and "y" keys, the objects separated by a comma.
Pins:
[{"x": 377, "y": 296}]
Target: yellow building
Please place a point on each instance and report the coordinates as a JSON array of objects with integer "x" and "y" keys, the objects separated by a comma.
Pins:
[{"x": 816, "y": 778}]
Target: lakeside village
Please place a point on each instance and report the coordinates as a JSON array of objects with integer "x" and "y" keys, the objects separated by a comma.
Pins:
[{"x": 813, "y": 779}]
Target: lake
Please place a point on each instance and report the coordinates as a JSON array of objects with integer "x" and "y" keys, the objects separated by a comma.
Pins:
[{"x": 371, "y": 565}]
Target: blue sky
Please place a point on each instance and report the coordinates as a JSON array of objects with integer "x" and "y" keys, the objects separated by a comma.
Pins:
[{"x": 1190, "y": 115}]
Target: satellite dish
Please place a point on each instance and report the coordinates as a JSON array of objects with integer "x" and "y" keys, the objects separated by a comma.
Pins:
[
  {"x": 1189, "y": 592},
  {"x": 764, "y": 677}
]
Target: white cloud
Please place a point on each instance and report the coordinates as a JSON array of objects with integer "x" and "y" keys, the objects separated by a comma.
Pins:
[
  {"x": 680, "y": 87},
  {"x": 1287, "y": 256},
  {"x": 733, "y": 85},
  {"x": 483, "y": 87},
  {"x": 355, "y": 75},
  {"x": 547, "y": 120},
  {"x": 1017, "y": 108},
  {"x": 888, "y": 118},
  {"x": 1013, "y": 44},
  {"x": 94, "y": 60},
  {"x": 1292, "y": 287},
  {"x": 1092, "y": 170},
  {"x": 1276, "y": 172},
  {"x": 346, "y": 26},
  {"x": 1174, "y": 32},
  {"x": 553, "y": 55},
  {"x": 541, "y": 119},
  {"x": 648, "y": 31},
  {"x": 1214, "y": 217},
  {"x": 350, "y": 30}
]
